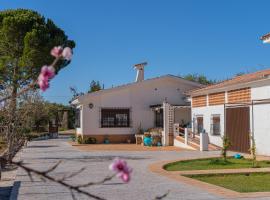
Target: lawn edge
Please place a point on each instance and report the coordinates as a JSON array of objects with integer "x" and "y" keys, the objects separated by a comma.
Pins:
[{"x": 158, "y": 168}]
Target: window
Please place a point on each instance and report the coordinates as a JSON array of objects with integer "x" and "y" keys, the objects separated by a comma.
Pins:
[
  {"x": 215, "y": 125},
  {"x": 199, "y": 128},
  {"x": 78, "y": 118},
  {"x": 115, "y": 118},
  {"x": 159, "y": 118}
]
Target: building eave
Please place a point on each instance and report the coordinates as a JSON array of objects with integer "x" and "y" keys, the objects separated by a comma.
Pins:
[
  {"x": 168, "y": 76},
  {"x": 227, "y": 88}
]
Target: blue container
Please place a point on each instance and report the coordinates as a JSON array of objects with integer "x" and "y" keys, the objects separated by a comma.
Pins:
[
  {"x": 147, "y": 141},
  {"x": 238, "y": 156}
]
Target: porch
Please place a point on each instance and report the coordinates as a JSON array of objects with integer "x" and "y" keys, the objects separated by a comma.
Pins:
[
  {"x": 167, "y": 117},
  {"x": 177, "y": 129}
]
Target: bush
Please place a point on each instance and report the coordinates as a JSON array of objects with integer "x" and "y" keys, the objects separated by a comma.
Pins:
[
  {"x": 226, "y": 143},
  {"x": 90, "y": 140},
  {"x": 31, "y": 136},
  {"x": 73, "y": 138},
  {"x": 79, "y": 139}
]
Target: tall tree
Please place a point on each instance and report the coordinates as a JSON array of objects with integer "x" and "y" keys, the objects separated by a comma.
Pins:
[
  {"x": 94, "y": 86},
  {"x": 26, "y": 39},
  {"x": 202, "y": 79},
  {"x": 75, "y": 93}
]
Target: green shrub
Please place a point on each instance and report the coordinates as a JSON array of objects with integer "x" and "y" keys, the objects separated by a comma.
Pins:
[
  {"x": 253, "y": 151},
  {"x": 73, "y": 138},
  {"x": 90, "y": 140},
  {"x": 79, "y": 139},
  {"x": 31, "y": 136},
  {"x": 226, "y": 143}
]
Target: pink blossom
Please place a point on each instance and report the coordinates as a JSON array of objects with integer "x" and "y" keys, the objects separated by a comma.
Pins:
[
  {"x": 67, "y": 53},
  {"x": 47, "y": 73},
  {"x": 122, "y": 169},
  {"x": 43, "y": 82},
  {"x": 57, "y": 52}
]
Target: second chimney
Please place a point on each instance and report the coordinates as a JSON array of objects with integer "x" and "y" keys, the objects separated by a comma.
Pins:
[{"x": 140, "y": 71}]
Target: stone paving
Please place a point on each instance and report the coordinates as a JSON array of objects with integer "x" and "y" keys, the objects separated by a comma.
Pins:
[
  {"x": 144, "y": 184},
  {"x": 7, "y": 180}
]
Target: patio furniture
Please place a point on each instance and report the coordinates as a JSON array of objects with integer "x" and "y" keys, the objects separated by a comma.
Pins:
[{"x": 139, "y": 139}]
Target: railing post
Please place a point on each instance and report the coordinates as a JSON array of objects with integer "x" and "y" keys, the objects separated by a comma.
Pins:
[
  {"x": 186, "y": 136},
  {"x": 203, "y": 141}
]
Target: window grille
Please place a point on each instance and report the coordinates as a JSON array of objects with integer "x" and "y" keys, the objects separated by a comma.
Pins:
[
  {"x": 215, "y": 125},
  {"x": 115, "y": 118}
]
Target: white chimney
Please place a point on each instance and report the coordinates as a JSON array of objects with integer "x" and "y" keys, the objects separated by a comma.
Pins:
[{"x": 140, "y": 71}]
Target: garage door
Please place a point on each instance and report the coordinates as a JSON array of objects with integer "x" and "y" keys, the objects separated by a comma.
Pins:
[{"x": 237, "y": 128}]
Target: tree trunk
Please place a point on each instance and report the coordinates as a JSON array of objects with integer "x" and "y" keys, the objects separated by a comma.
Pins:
[
  {"x": 11, "y": 132},
  {"x": 11, "y": 125}
]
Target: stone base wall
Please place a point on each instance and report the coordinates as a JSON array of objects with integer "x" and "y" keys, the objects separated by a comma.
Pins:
[{"x": 113, "y": 139}]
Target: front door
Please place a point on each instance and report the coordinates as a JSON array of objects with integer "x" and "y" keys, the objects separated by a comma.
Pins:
[
  {"x": 159, "y": 118},
  {"x": 237, "y": 128}
]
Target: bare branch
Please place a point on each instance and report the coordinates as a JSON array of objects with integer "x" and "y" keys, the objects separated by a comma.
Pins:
[
  {"x": 29, "y": 87},
  {"x": 72, "y": 174},
  {"x": 61, "y": 182},
  {"x": 52, "y": 168},
  {"x": 73, "y": 195},
  {"x": 106, "y": 179},
  {"x": 162, "y": 196}
]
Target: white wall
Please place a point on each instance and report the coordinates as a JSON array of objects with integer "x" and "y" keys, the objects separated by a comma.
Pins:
[
  {"x": 182, "y": 114},
  {"x": 261, "y": 119},
  {"x": 207, "y": 112},
  {"x": 79, "y": 129},
  {"x": 138, "y": 97}
]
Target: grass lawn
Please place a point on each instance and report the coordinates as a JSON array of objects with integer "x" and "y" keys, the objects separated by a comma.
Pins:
[
  {"x": 253, "y": 182},
  {"x": 213, "y": 163}
]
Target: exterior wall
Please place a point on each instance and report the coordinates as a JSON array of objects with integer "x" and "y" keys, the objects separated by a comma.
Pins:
[
  {"x": 182, "y": 115},
  {"x": 216, "y": 99},
  {"x": 138, "y": 98},
  {"x": 261, "y": 119},
  {"x": 79, "y": 129},
  {"x": 242, "y": 95},
  {"x": 207, "y": 112},
  {"x": 199, "y": 101}
]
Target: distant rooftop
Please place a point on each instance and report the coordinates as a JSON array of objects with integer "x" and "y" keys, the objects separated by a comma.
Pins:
[{"x": 266, "y": 38}]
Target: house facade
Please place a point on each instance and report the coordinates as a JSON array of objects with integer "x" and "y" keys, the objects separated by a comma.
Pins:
[
  {"x": 117, "y": 113},
  {"x": 239, "y": 108}
]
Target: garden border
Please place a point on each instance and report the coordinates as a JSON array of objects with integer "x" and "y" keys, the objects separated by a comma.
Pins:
[{"x": 218, "y": 190}]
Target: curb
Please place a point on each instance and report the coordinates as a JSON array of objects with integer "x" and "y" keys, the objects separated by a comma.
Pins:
[{"x": 157, "y": 168}]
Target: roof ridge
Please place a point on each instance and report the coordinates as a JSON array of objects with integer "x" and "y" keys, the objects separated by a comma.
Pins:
[
  {"x": 237, "y": 79},
  {"x": 146, "y": 80}
]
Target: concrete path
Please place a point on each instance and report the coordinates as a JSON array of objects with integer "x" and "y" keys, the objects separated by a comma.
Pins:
[{"x": 144, "y": 185}]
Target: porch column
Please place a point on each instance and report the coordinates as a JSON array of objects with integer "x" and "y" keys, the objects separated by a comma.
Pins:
[{"x": 168, "y": 119}]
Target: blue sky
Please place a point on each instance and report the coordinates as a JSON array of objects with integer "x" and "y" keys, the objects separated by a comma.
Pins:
[{"x": 210, "y": 37}]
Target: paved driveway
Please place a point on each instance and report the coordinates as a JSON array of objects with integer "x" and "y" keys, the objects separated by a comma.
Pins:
[{"x": 144, "y": 184}]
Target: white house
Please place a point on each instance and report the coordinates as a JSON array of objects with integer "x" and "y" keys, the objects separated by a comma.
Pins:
[
  {"x": 239, "y": 108},
  {"x": 117, "y": 113}
]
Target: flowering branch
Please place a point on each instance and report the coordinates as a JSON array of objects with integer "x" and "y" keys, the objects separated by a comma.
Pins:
[
  {"x": 47, "y": 72},
  {"x": 119, "y": 166}
]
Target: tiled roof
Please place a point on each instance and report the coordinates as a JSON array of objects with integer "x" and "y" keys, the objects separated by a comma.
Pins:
[
  {"x": 266, "y": 36},
  {"x": 141, "y": 82},
  {"x": 246, "y": 78}
]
